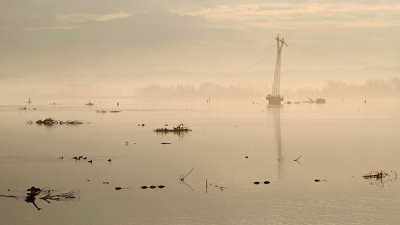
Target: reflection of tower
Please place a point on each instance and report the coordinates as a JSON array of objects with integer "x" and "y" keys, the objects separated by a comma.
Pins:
[
  {"x": 275, "y": 98},
  {"x": 276, "y": 117}
]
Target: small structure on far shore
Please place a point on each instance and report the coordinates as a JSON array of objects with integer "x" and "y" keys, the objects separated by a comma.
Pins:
[
  {"x": 318, "y": 100},
  {"x": 89, "y": 103}
]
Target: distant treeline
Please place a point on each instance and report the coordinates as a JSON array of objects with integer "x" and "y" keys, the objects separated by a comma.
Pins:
[{"x": 370, "y": 88}]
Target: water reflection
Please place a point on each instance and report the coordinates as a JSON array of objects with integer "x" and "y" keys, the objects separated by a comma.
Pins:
[{"x": 276, "y": 118}]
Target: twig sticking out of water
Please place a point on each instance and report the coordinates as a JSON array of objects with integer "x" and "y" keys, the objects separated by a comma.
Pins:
[
  {"x": 297, "y": 160},
  {"x": 182, "y": 177}
]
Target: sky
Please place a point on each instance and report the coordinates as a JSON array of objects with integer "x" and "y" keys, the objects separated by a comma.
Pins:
[{"x": 112, "y": 46}]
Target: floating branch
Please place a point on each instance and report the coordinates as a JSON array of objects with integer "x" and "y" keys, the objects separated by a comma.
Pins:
[{"x": 10, "y": 196}]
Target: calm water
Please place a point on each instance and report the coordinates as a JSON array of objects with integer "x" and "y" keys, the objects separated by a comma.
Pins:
[{"x": 339, "y": 142}]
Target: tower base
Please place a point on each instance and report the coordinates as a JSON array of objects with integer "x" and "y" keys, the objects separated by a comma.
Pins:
[{"x": 274, "y": 100}]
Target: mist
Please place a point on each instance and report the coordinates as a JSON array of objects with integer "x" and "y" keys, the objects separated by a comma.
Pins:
[{"x": 333, "y": 89}]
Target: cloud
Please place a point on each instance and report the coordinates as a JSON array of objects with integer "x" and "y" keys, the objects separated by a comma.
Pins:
[
  {"x": 275, "y": 14},
  {"x": 33, "y": 29},
  {"x": 81, "y": 18}
]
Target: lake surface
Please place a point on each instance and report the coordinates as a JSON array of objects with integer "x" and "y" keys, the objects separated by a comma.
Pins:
[{"x": 338, "y": 142}]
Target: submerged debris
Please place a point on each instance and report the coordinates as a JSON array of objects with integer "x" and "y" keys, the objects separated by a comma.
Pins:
[
  {"x": 153, "y": 187},
  {"x": 26, "y": 108},
  {"x": 180, "y": 128},
  {"x": 220, "y": 187},
  {"x": 105, "y": 111},
  {"x": 45, "y": 194},
  {"x": 258, "y": 182},
  {"x": 80, "y": 157},
  {"x": 380, "y": 178},
  {"x": 165, "y": 143},
  {"x": 376, "y": 175},
  {"x": 51, "y": 122}
]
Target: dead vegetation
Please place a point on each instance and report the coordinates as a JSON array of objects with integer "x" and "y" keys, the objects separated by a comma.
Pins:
[
  {"x": 181, "y": 128},
  {"x": 52, "y": 122}
]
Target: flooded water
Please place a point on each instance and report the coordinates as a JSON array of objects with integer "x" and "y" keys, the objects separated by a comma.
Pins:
[{"x": 338, "y": 142}]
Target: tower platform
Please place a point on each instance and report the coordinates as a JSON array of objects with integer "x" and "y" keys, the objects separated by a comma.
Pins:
[{"x": 274, "y": 100}]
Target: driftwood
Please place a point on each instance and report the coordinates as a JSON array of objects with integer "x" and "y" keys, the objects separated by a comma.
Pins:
[{"x": 178, "y": 129}]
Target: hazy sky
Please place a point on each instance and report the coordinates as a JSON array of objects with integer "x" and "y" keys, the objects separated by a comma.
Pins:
[{"x": 74, "y": 41}]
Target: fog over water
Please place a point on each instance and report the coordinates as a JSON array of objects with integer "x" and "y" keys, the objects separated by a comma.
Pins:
[{"x": 94, "y": 94}]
